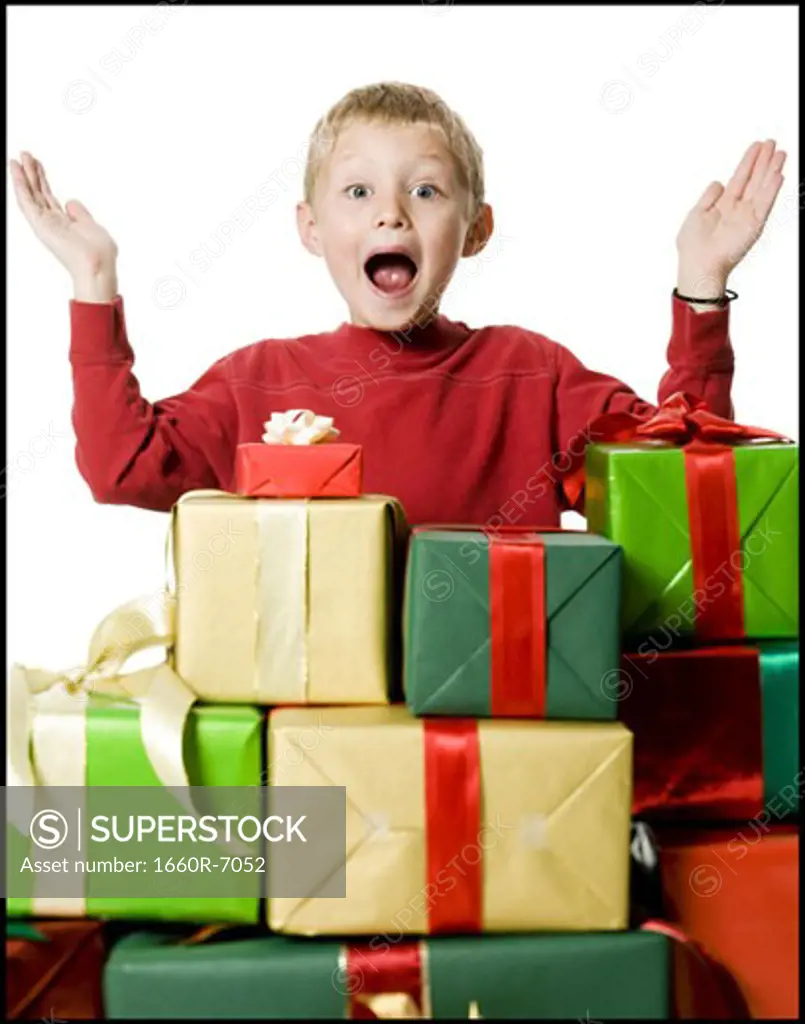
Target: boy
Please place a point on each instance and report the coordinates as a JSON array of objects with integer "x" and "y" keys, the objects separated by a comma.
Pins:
[{"x": 462, "y": 424}]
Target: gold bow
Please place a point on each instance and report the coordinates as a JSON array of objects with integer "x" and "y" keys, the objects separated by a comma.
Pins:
[
  {"x": 164, "y": 699},
  {"x": 299, "y": 426}
]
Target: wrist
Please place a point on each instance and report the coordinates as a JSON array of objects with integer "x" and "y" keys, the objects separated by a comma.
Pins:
[
  {"x": 98, "y": 287},
  {"x": 707, "y": 284}
]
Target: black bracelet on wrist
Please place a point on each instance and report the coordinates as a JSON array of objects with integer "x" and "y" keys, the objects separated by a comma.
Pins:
[{"x": 722, "y": 300}]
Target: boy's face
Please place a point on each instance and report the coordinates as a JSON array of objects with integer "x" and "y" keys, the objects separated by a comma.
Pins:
[{"x": 391, "y": 187}]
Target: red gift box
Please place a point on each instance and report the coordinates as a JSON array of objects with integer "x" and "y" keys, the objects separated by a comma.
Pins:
[
  {"x": 715, "y": 731},
  {"x": 56, "y": 971},
  {"x": 735, "y": 891},
  {"x": 299, "y": 471},
  {"x": 696, "y": 718}
]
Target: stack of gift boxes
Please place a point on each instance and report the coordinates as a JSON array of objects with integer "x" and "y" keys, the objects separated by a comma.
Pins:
[
  {"x": 488, "y": 799},
  {"x": 707, "y": 514}
]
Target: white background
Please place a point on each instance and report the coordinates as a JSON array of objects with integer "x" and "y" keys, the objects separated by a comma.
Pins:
[{"x": 600, "y": 127}]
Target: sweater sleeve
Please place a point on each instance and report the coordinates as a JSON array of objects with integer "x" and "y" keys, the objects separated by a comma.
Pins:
[
  {"x": 132, "y": 452},
  {"x": 700, "y": 361}
]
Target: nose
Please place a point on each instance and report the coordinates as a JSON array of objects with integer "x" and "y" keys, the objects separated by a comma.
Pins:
[{"x": 390, "y": 213}]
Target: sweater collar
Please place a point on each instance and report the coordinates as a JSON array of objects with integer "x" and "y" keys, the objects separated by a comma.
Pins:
[{"x": 414, "y": 345}]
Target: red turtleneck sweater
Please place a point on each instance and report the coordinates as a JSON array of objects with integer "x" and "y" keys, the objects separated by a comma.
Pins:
[{"x": 461, "y": 424}]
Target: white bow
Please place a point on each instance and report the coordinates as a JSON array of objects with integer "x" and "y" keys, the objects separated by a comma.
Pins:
[{"x": 299, "y": 426}]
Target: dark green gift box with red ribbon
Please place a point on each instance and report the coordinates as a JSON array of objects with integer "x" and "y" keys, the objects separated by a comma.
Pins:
[
  {"x": 520, "y": 623},
  {"x": 707, "y": 513},
  {"x": 150, "y": 975}
]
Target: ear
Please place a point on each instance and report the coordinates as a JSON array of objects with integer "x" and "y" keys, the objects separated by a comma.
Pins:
[
  {"x": 480, "y": 231},
  {"x": 308, "y": 230}
]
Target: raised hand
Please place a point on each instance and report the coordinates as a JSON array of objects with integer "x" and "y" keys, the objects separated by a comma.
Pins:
[
  {"x": 726, "y": 222},
  {"x": 82, "y": 246}
]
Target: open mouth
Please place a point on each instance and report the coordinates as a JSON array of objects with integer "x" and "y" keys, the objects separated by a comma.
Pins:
[{"x": 392, "y": 273}]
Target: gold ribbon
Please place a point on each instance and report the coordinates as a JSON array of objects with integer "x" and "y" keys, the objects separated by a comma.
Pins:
[
  {"x": 390, "y": 1005},
  {"x": 46, "y": 738},
  {"x": 283, "y": 600},
  {"x": 164, "y": 702},
  {"x": 400, "y": 1006},
  {"x": 205, "y": 933}
]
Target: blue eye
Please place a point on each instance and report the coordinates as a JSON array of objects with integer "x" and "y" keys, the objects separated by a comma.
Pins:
[
  {"x": 433, "y": 189},
  {"x": 350, "y": 190}
]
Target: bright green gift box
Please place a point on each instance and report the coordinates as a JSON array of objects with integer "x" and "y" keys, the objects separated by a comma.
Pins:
[
  {"x": 221, "y": 747},
  {"x": 710, "y": 553},
  {"x": 574, "y": 977},
  {"x": 95, "y": 729}
]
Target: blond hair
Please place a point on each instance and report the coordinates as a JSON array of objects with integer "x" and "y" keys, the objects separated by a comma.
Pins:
[{"x": 399, "y": 103}]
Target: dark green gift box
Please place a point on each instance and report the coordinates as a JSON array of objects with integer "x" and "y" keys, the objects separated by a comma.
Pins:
[
  {"x": 471, "y": 600},
  {"x": 575, "y": 977}
]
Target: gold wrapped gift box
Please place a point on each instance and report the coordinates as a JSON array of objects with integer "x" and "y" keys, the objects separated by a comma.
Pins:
[
  {"x": 287, "y": 602},
  {"x": 553, "y": 840}
]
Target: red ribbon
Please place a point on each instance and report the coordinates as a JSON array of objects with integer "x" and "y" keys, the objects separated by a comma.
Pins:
[
  {"x": 453, "y": 825},
  {"x": 701, "y": 989},
  {"x": 680, "y": 420},
  {"x": 518, "y": 683},
  {"x": 517, "y": 603},
  {"x": 715, "y": 535},
  {"x": 377, "y": 971}
]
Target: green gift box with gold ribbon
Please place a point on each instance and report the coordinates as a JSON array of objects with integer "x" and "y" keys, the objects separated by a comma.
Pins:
[
  {"x": 153, "y": 975},
  {"x": 707, "y": 513},
  {"x": 97, "y": 727}
]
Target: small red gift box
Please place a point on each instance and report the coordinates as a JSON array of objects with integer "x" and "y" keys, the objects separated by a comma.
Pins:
[{"x": 299, "y": 471}]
